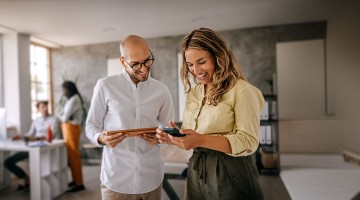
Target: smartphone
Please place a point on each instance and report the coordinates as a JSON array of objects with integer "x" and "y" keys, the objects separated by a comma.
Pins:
[{"x": 174, "y": 132}]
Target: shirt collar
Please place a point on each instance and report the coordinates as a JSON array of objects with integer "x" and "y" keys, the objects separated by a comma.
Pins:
[{"x": 42, "y": 117}]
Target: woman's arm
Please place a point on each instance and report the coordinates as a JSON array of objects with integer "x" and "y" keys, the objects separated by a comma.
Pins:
[
  {"x": 248, "y": 104},
  {"x": 70, "y": 107},
  {"x": 193, "y": 140}
]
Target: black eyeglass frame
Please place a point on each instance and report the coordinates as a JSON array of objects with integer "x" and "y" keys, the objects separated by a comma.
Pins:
[{"x": 141, "y": 63}]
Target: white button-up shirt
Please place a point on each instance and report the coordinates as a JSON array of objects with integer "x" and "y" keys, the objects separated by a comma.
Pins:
[
  {"x": 40, "y": 126},
  {"x": 73, "y": 111},
  {"x": 133, "y": 166}
]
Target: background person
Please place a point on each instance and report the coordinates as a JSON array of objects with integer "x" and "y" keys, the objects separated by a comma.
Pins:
[
  {"x": 221, "y": 121},
  {"x": 38, "y": 131},
  {"x": 132, "y": 167},
  {"x": 71, "y": 118}
]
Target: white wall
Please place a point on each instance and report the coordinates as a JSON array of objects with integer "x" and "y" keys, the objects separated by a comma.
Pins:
[
  {"x": 304, "y": 126},
  {"x": 17, "y": 87},
  {"x": 114, "y": 66},
  {"x": 343, "y": 61},
  {"x": 1, "y": 76},
  {"x": 301, "y": 79}
]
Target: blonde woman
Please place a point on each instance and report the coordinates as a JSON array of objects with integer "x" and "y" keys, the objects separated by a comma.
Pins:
[{"x": 221, "y": 121}]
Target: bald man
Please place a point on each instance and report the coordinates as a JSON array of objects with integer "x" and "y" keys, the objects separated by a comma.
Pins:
[{"x": 132, "y": 167}]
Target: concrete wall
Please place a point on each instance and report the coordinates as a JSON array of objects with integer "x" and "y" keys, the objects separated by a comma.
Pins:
[
  {"x": 82, "y": 64},
  {"x": 254, "y": 48}
]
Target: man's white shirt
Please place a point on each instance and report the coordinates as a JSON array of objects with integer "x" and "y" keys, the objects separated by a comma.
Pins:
[
  {"x": 133, "y": 166},
  {"x": 41, "y": 124}
]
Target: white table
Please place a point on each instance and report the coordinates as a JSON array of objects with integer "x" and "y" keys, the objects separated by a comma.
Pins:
[{"x": 48, "y": 168}]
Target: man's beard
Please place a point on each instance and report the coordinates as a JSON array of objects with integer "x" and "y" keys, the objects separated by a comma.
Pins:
[{"x": 139, "y": 77}]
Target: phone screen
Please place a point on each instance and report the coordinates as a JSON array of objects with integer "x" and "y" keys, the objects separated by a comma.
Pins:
[{"x": 174, "y": 132}]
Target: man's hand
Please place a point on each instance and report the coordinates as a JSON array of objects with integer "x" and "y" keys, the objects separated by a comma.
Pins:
[
  {"x": 17, "y": 137},
  {"x": 111, "y": 140},
  {"x": 150, "y": 138},
  {"x": 33, "y": 138}
]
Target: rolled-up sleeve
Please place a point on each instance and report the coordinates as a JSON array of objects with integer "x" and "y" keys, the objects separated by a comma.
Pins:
[
  {"x": 248, "y": 104},
  {"x": 96, "y": 114}
]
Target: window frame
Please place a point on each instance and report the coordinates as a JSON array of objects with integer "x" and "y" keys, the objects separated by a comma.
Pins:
[{"x": 49, "y": 74}]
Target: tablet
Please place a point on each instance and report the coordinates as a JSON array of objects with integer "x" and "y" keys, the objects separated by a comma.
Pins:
[{"x": 135, "y": 132}]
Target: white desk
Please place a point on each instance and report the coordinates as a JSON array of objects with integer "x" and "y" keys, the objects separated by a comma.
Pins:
[{"x": 48, "y": 168}]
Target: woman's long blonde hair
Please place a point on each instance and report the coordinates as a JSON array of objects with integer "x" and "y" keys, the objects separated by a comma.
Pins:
[{"x": 227, "y": 71}]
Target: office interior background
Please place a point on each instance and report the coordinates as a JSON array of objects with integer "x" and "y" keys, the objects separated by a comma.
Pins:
[{"x": 318, "y": 94}]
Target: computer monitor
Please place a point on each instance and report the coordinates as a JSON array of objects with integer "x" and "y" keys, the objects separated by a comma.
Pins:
[{"x": 3, "y": 134}]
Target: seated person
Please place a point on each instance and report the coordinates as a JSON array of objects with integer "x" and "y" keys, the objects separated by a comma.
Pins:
[{"x": 37, "y": 131}]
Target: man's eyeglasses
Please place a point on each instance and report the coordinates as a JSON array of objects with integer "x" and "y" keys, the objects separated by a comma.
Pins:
[{"x": 147, "y": 63}]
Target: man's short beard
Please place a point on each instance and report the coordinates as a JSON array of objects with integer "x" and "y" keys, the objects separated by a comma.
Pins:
[{"x": 134, "y": 75}]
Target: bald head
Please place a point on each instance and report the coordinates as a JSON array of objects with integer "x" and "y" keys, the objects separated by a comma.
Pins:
[
  {"x": 136, "y": 58},
  {"x": 132, "y": 43}
]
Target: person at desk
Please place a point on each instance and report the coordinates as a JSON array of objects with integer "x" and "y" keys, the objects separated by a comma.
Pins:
[{"x": 37, "y": 131}]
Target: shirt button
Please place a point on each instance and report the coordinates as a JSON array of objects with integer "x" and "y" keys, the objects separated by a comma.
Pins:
[{"x": 195, "y": 119}]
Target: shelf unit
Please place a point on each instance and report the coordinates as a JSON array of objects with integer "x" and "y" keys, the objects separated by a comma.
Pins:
[
  {"x": 267, "y": 155},
  {"x": 47, "y": 168},
  {"x": 53, "y": 173}
]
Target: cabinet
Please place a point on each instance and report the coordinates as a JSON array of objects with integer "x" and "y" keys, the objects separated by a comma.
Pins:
[
  {"x": 47, "y": 168},
  {"x": 267, "y": 155}
]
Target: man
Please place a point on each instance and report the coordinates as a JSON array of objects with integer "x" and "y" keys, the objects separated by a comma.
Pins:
[
  {"x": 37, "y": 131},
  {"x": 132, "y": 167}
]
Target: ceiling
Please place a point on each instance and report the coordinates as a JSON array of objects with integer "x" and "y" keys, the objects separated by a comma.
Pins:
[{"x": 58, "y": 23}]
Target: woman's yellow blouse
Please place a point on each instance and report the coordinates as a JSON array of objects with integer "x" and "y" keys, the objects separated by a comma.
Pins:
[{"x": 237, "y": 116}]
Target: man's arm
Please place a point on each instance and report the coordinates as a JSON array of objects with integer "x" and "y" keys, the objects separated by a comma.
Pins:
[
  {"x": 71, "y": 105},
  {"x": 32, "y": 130},
  {"x": 96, "y": 115}
]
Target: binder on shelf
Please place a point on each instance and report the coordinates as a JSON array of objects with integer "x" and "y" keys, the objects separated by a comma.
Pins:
[
  {"x": 262, "y": 135},
  {"x": 273, "y": 110},
  {"x": 264, "y": 114},
  {"x": 268, "y": 134}
]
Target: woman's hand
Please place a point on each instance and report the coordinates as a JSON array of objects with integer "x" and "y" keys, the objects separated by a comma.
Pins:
[
  {"x": 190, "y": 141},
  {"x": 150, "y": 138},
  {"x": 111, "y": 140},
  {"x": 162, "y": 136}
]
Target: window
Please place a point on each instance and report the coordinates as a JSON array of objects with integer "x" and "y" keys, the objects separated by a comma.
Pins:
[{"x": 40, "y": 77}]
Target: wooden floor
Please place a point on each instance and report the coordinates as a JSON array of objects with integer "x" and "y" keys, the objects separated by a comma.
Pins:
[{"x": 273, "y": 188}]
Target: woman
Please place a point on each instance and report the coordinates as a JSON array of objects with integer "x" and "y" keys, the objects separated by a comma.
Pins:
[
  {"x": 71, "y": 118},
  {"x": 221, "y": 121}
]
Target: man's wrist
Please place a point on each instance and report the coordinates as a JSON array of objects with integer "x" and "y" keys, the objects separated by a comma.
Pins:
[{"x": 99, "y": 140}]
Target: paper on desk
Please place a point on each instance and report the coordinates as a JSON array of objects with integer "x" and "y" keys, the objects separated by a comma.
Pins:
[{"x": 37, "y": 144}]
